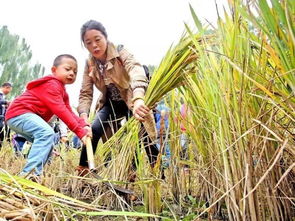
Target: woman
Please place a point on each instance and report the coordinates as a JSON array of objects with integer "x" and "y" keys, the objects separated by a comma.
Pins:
[{"x": 122, "y": 83}]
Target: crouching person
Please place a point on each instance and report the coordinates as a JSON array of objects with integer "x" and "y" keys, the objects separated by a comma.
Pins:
[{"x": 44, "y": 97}]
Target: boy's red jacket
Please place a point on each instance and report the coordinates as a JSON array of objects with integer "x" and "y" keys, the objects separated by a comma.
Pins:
[{"x": 46, "y": 97}]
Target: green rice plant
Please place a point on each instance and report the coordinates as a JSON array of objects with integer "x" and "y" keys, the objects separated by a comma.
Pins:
[
  {"x": 243, "y": 110},
  {"x": 243, "y": 106}
]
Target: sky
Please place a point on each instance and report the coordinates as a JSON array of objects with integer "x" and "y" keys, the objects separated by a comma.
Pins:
[{"x": 147, "y": 28}]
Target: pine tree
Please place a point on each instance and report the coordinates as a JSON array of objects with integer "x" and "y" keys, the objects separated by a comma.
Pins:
[{"x": 15, "y": 62}]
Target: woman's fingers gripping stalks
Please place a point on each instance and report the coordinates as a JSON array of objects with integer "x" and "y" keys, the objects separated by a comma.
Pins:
[{"x": 140, "y": 110}]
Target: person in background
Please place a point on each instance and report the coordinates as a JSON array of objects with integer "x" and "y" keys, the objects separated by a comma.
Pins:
[
  {"x": 18, "y": 142},
  {"x": 184, "y": 126},
  {"x": 60, "y": 129},
  {"x": 122, "y": 81},
  {"x": 162, "y": 125},
  {"x": 29, "y": 113},
  {"x": 4, "y": 90},
  {"x": 76, "y": 142}
]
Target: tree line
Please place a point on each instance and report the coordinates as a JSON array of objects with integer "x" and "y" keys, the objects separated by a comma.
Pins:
[{"x": 15, "y": 62}]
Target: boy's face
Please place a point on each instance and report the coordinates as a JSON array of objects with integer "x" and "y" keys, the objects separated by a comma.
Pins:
[{"x": 66, "y": 72}]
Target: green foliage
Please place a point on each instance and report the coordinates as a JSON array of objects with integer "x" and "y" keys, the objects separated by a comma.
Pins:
[
  {"x": 242, "y": 100},
  {"x": 151, "y": 69},
  {"x": 15, "y": 59}
]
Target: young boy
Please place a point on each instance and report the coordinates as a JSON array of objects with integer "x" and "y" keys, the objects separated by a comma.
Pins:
[{"x": 28, "y": 114}]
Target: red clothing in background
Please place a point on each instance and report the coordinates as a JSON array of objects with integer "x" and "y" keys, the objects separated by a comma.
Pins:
[{"x": 183, "y": 113}]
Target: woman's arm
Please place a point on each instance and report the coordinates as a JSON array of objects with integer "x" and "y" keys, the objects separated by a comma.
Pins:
[
  {"x": 138, "y": 84},
  {"x": 138, "y": 79}
]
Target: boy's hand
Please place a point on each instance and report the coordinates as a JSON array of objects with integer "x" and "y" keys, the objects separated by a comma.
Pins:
[
  {"x": 83, "y": 139},
  {"x": 89, "y": 131},
  {"x": 140, "y": 110}
]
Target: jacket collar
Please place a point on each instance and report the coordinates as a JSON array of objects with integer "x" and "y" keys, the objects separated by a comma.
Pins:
[{"x": 111, "y": 52}]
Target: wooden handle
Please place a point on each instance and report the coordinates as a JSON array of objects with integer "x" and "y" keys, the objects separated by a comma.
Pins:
[{"x": 89, "y": 151}]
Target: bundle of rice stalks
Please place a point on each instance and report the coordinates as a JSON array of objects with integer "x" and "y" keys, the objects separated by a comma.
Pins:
[{"x": 177, "y": 63}]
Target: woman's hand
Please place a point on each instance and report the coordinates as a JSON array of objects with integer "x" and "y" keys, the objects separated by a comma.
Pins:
[{"x": 140, "y": 110}]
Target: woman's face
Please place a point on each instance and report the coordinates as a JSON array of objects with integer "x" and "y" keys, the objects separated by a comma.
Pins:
[{"x": 96, "y": 44}]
